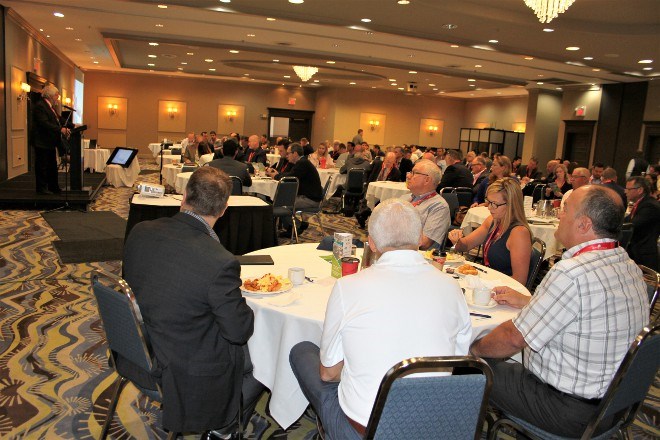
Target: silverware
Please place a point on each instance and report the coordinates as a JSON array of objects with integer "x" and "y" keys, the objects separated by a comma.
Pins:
[
  {"x": 480, "y": 315},
  {"x": 309, "y": 279},
  {"x": 480, "y": 269}
]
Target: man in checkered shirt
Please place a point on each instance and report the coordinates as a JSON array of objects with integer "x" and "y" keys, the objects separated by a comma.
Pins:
[{"x": 578, "y": 326}]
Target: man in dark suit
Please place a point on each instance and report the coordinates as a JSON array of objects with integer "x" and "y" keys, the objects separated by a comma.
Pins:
[
  {"x": 384, "y": 170},
  {"x": 283, "y": 164},
  {"x": 609, "y": 180},
  {"x": 254, "y": 153},
  {"x": 479, "y": 174},
  {"x": 402, "y": 164},
  {"x": 47, "y": 135},
  {"x": 188, "y": 288},
  {"x": 455, "y": 175},
  {"x": 230, "y": 165},
  {"x": 644, "y": 216},
  {"x": 530, "y": 171}
]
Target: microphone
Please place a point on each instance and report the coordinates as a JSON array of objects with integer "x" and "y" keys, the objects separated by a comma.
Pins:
[{"x": 69, "y": 108}]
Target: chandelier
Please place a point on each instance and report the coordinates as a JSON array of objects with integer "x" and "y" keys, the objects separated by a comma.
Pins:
[
  {"x": 546, "y": 10},
  {"x": 305, "y": 72}
]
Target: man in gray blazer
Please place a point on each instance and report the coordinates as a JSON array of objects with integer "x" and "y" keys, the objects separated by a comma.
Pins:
[{"x": 230, "y": 165}]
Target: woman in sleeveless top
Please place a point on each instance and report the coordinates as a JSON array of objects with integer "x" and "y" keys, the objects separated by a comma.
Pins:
[{"x": 505, "y": 234}]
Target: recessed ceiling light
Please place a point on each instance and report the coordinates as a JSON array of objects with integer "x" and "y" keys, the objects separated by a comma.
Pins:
[
  {"x": 449, "y": 26},
  {"x": 151, "y": 64},
  {"x": 287, "y": 76},
  {"x": 78, "y": 39},
  {"x": 225, "y": 1},
  {"x": 540, "y": 75},
  {"x": 246, "y": 74},
  {"x": 493, "y": 41},
  {"x": 190, "y": 53},
  {"x": 316, "y": 80},
  {"x": 392, "y": 79},
  {"x": 68, "y": 28},
  {"x": 153, "y": 44},
  {"x": 529, "y": 58},
  {"x": 572, "y": 48},
  {"x": 473, "y": 85},
  {"x": 471, "y": 80},
  {"x": 442, "y": 92},
  {"x": 403, "y": 2},
  {"x": 431, "y": 85},
  {"x": 548, "y": 30},
  {"x": 588, "y": 58},
  {"x": 251, "y": 35},
  {"x": 41, "y": 30},
  {"x": 435, "y": 90},
  {"x": 208, "y": 60},
  {"x": 410, "y": 55},
  {"x": 373, "y": 87},
  {"x": 180, "y": 68},
  {"x": 330, "y": 62},
  {"x": 47, "y": 36},
  {"x": 184, "y": 63},
  {"x": 159, "y": 25},
  {"x": 595, "y": 70},
  {"x": 95, "y": 62},
  {"x": 351, "y": 83},
  {"x": 365, "y": 20},
  {"x": 454, "y": 45},
  {"x": 58, "y": 14},
  {"x": 401, "y": 88},
  {"x": 478, "y": 65},
  {"x": 276, "y": 61},
  {"x": 369, "y": 33},
  {"x": 393, "y": 84},
  {"x": 540, "y": 83},
  {"x": 558, "y": 88},
  {"x": 335, "y": 45},
  {"x": 412, "y": 71},
  {"x": 162, "y": 6},
  {"x": 234, "y": 51},
  {"x": 647, "y": 68},
  {"x": 212, "y": 70},
  {"x": 296, "y": 2},
  {"x": 644, "y": 61},
  {"x": 270, "y": 19},
  {"x": 152, "y": 56}
]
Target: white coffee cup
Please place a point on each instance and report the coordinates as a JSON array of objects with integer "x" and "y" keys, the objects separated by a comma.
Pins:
[
  {"x": 297, "y": 275},
  {"x": 481, "y": 296}
]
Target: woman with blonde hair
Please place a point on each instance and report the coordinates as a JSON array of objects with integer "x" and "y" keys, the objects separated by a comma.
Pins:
[
  {"x": 505, "y": 234},
  {"x": 560, "y": 186},
  {"x": 500, "y": 169},
  {"x": 321, "y": 158}
]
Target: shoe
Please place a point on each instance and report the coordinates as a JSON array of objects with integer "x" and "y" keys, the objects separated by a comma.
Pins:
[
  {"x": 45, "y": 192},
  {"x": 286, "y": 233},
  {"x": 302, "y": 227}
]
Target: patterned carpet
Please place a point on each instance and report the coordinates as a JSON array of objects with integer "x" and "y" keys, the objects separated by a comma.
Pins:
[{"x": 55, "y": 382}]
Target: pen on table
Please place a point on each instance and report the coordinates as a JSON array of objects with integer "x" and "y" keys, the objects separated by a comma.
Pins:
[
  {"x": 480, "y": 315},
  {"x": 480, "y": 269},
  {"x": 309, "y": 279}
]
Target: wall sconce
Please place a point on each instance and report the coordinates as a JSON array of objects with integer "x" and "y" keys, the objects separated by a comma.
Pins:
[
  {"x": 25, "y": 89},
  {"x": 432, "y": 129},
  {"x": 172, "y": 111},
  {"x": 112, "y": 109},
  {"x": 230, "y": 115},
  {"x": 374, "y": 124},
  {"x": 67, "y": 101}
]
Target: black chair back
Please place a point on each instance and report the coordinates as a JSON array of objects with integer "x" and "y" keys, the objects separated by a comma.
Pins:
[
  {"x": 175, "y": 151},
  {"x": 285, "y": 194},
  {"x": 355, "y": 181},
  {"x": 236, "y": 186},
  {"x": 626, "y": 234},
  {"x": 452, "y": 200},
  {"x": 538, "y": 253},
  {"x": 464, "y": 195},
  {"x": 538, "y": 193},
  {"x": 446, "y": 407},
  {"x": 189, "y": 168},
  {"x": 652, "y": 279}
]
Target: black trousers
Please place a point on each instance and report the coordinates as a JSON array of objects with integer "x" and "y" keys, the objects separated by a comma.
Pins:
[
  {"x": 45, "y": 169},
  {"x": 518, "y": 392}
]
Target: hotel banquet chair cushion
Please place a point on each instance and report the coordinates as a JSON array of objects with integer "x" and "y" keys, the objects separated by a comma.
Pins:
[
  {"x": 236, "y": 186},
  {"x": 464, "y": 195},
  {"x": 536, "y": 258},
  {"x": 652, "y": 280},
  {"x": 439, "y": 407},
  {"x": 284, "y": 201},
  {"x": 623, "y": 397},
  {"x": 626, "y": 234},
  {"x": 130, "y": 350}
]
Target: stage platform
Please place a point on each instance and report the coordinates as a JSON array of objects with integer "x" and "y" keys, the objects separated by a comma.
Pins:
[{"x": 20, "y": 193}]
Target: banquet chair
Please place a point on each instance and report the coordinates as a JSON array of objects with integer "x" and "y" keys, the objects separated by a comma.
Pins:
[
  {"x": 355, "y": 185},
  {"x": 452, "y": 200},
  {"x": 464, "y": 195},
  {"x": 623, "y": 397},
  {"x": 236, "y": 186},
  {"x": 652, "y": 279},
  {"x": 538, "y": 192},
  {"x": 538, "y": 252},
  {"x": 435, "y": 407},
  {"x": 626, "y": 234},
  {"x": 316, "y": 211},
  {"x": 175, "y": 151},
  {"x": 189, "y": 168},
  {"x": 128, "y": 343},
  {"x": 284, "y": 202}
]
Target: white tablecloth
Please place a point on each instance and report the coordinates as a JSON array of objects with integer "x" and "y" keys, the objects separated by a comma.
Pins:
[
  {"x": 205, "y": 158},
  {"x": 168, "y": 158},
  {"x": 277, "y": 329},
  {"x": 476, "y": 216},
  {"x": 263, "y": 186},
  {"x": 336, "y": 179},
  {"x": 155, "y": 148},
  {"x": 175, "y": 200},
  {"x": 117, "y": 175},
  {"x": 384, "y": 190},
  {"x": 95, "y": 159},
  {"x": 273, "y": 158},
  {"x": 181, "y": 181},
  {"x": 170, "y": 172}
]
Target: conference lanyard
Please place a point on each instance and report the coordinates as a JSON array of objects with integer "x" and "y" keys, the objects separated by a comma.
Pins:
[{"x": 597, "y": 247}]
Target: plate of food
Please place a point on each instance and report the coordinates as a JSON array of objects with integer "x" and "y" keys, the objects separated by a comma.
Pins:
[
  {"x": 267, "y": 285},
  {"x": 466, "y": 269},
  {"x": 454, "y": 259}
]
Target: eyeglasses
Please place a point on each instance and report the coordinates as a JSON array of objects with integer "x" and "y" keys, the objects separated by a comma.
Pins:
[
  {"x": 632, "y": 187},
  {"x": 416, "y": 173},
  {"x": 495, "y": 205}
]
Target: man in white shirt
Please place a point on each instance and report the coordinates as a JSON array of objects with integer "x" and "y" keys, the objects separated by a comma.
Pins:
[
  {"x": 375, "y": 320},
  {"x": 579, "y": 177},
  {"x": 190, "y": 139}
]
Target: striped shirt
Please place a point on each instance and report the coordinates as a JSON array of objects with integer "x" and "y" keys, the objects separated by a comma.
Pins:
[{"x": 582, "y": 319}]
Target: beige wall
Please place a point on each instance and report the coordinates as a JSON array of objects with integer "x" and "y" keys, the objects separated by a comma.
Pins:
[
  {"x": 21, "y": 48},
  {"x": 543, "y": 118},
  {"x": 500, "y": 113},
  {"x": 203, "y": 98}
]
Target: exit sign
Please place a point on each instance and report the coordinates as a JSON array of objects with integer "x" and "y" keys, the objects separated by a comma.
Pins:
[
  {"x": 292, "y": 101},
  {"x": 580, "y": 111}
]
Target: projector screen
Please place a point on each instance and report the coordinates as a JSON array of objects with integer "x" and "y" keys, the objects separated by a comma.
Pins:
[{"x": 78, "y": 92}]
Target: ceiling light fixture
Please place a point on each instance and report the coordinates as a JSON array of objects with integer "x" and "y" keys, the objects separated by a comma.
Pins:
[
  {"x": 68, "y": 28},
  {"x": 546, "y": 10},
  {"x": 493, "y": 41},
  {"x": 270, "y": 19},
  {"x": 225, "y": 1},
  {"x": 58, "y": 14},
  {"x": 352, "y": 83},
  {"x": 454, "y": 45},
  {"x": 251, "y": 35},
  {"x": 276, "y": 61},
  {"x": 572, "y": 48},
  {"x": 529, "y": 58},
  {"x": 208, "y": 60},
  {"x": 162, "y": 6},
  {"x": 159, "y": 25},
  {"x": 297, "y": 2},
  {"x": 234, "y": 51},
  {"x": 588, "y": 58},
  {"x": 365, "y": 20},
  {"x": 153, "y": 44},
  {"x": 412, "y": 71},
  {"x": 305, "y": 72},
  {"x": 548, "y": 30},
  {"x": 403, "y": 2},
  {"x": 330, "y": 62},
  {"x": 152, "y": 56},
  {"x": 644, "y": 61}
]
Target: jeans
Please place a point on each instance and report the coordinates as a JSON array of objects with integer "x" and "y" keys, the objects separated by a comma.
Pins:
[{"x": 305, "y": 362}]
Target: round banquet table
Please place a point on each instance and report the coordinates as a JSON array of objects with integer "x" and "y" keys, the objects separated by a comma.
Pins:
[
  {"x": 95, "y": 159},
  {"x": 117, "y": 176},
  {"x": 384, "y": 190},
  {"x": 155, "y": 148},
  {"x": 262, "y": 185},
  {"x": 542, "y": 228},
  {"x": 170, "y": 173},
  {"x": 273, "y": 158},
  {"x": 278, "y": 327},
  {"x": 335, "y": 178},
  {"x": 168, "y": 159}
]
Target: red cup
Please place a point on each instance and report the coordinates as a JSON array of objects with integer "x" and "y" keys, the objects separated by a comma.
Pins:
[{"x": 349, "y": 265}]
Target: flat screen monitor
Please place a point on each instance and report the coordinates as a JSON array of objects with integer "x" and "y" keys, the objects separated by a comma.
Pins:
[
  {"x": 122, "y": 156},
  {"x": 92, "y": 144}
]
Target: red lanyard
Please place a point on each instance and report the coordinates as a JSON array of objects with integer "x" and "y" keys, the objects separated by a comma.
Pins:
[
  {"x": 597, "y": 247},
  {"x": 491, "y": 239},
  {"x": 426, "y": 197},
  {"x": 634, "y": 208}
]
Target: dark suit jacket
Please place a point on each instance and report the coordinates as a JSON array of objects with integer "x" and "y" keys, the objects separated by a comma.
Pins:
[
  {"x": 46, "y": 128},
  {"x": 535, "y": 175},
  {"x": 233, "y": 168},
  {"x": 619, "y": 190},
  {"x": 475, "y": 186},
  {"x": 456, "y": 175},
  {"x": 283, "y": 165},
  {"x": 188, "y": 288},
  {"x": 643, "y": 248},
  {"x": 309, "y": 181},
  {"x": 405, "y": 166},
  {"x": 258, "y": 156},
  {"x": 377, "y": 166}
]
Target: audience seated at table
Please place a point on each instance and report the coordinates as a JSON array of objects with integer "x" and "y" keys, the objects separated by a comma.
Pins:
[
  {"x": 505, "y": 234},
  {"x": 283, "y": 163},
  {"x": 199, "y": 327},
  {"x": 230, "y": 165},
  {"x": 577, "y": 327},
  {"x": 645, "y": 217},
  {"x": 254, "y": 153},
  {"x": 402, "y": 164},
  {"x": 609, "y": 180},
  {"x": 560, "y": 185},
  {"x": 479, "y": 169},
  {"x": 530, "y": 171},
  {"x": 195, "y": 150},
  {"x": 341, "y": 160},
  {"x": 579, "y": 177},
  {"x": 356, "y": 160},
  {"x": 384, "y": 169},
  {"x": 336, "y": 149},
  {"x": 456, "y": 174},
  {"x": 374, "y": 319},
  {"x": 499, "y": 169},
  {"x": 432, "y": 208},
  {"x": 321, "y": 158},
  {"x": 189, "y": 139}
]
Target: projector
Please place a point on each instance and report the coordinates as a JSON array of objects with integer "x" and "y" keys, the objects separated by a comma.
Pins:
[{"x": 151, "y": 189}]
